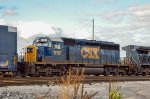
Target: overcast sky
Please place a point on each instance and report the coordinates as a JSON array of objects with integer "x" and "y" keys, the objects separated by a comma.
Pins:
[{"x": 126, "y": 22}]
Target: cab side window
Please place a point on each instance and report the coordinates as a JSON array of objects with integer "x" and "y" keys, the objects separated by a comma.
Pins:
[
  {"x": 50, "y": 44},
  {"x": 57, "y": 46}
]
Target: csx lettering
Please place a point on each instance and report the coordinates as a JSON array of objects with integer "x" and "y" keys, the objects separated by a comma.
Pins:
[{"x": 91, "y": 53}]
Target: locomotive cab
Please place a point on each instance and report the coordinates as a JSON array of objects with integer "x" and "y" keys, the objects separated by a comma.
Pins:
[
  {"x": 40, "y": 57},
  {"x": 30, "y": 54},
  {"x": 48, "y": 50},
  {"x": 42, "y": 44}
]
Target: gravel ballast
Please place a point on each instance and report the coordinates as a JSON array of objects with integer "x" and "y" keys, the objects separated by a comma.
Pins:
[{"x": 129, "y": 90}]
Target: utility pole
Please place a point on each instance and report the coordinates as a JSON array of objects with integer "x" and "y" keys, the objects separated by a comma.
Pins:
[{"x": 93, "y": 30}]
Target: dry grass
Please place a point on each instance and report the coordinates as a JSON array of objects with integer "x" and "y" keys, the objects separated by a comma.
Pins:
[{"x": 72, "y": 86}]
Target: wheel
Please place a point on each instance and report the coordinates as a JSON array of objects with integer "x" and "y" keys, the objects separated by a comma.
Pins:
[
  {"x": 37, "y": 74},
  {"x": 106, "y": 73},
  {"x": 15, "y": 73}
]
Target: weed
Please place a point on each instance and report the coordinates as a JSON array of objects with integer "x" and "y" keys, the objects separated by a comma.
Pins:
[
  {"x": 71, "y": 84},
  {"x": 114, "y": 91}
]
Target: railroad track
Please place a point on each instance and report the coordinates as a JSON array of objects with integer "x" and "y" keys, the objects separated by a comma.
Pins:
[{"x": 18, "y": 81}]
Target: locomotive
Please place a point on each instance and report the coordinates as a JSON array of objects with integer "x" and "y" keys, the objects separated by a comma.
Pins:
[
  {"x": 8, "y": 49},
  {"x": 49, "y": 56},
  {"x": 54, "y": 56}
]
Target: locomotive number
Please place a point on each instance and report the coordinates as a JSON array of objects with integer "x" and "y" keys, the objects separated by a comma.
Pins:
[{"x": 57, "y": 52}]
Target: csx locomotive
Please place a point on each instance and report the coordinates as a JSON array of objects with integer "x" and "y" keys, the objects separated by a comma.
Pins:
[
  {"x": 49, "y": 56},
  {"x": 8, "y": 49}
]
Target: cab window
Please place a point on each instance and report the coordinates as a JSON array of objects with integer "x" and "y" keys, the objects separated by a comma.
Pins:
[
  {"x": 42, "y": 42},
  {"x": 50, "y": 44},
  {"x": 57, "y": 46}
]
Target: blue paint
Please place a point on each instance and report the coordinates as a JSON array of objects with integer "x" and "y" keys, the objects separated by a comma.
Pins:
[{"x": 8, "y": 48}]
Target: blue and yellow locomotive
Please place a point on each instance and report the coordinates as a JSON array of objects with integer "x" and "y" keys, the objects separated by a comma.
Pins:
[{"x": 47, "y": 56}]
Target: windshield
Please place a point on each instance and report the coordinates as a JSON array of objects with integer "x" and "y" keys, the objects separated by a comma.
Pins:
[{"x": 42, "y": 42}]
